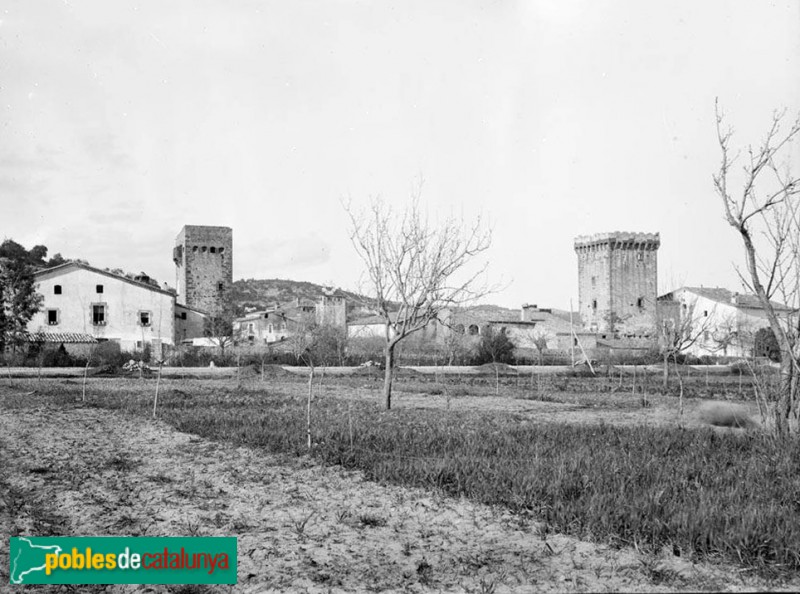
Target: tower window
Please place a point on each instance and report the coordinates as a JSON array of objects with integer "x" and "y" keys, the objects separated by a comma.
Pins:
[
  {"x": 594, "y": 303},
  {"x": 203, "y": 249},
  {"x": 640, "y": 256},
  {"x": 57, "y": 290},
  {"x": 213, "y": 249},
  {"x": 640, "y": 302},
  {"x": 220, "y": 286},
  {"x": 99, "y": 289},
  {"x": 594, "y": 282},
  {"x": 194, "y": 248},
  {"x": 221, "y": 250}
]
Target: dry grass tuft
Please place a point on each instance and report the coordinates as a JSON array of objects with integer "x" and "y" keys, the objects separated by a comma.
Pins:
[{"x": 725, "y": 414}]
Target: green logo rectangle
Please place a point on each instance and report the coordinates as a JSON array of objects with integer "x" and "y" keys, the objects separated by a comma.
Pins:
[{"x": 122, "y": 560}]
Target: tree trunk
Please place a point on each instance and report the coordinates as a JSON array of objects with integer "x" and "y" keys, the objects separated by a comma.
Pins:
[
  {"x": 308, "y": 407},
  {"x": 388, "y": 377},
  {"x": 666, "y": 370},
  {"x": 783, "y": 408}
]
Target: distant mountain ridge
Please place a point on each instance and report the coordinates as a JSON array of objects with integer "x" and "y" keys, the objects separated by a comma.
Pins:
[{"x": 258, "y": 294}]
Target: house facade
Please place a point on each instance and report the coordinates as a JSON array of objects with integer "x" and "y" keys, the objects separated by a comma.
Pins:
[
  {"x": 723, "y": 322},
  {"x": 275, "y": 324},
  {"x": 106, "y": 306}
]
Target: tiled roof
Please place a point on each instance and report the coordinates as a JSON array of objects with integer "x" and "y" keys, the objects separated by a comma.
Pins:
[
  {"x": 68, "y": 337},
  {"x": 722, "y": 295},
  {"x": 62, "y": 268},
  {"x": 372, "y": 320}
]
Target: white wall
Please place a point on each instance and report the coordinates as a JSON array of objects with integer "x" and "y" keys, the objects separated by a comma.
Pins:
[
  {"x": 367, "y": 331},
  {"x": 717, "y": 321},
  {"x": 123, "y": 300}
]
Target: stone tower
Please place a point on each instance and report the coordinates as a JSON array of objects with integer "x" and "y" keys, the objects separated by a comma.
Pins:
[
  {"x": 203, "y": 259},
  {"x": 331, "y": 310},
  {"x": 617, "y": 282}
]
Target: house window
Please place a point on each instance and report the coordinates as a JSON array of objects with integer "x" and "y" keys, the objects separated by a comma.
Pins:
[
  {"x": 705, "y": 313},
  {"x": 640, "y": 302},
  {"x": 57, "y": 290},
  {"x": 52, "y": 317},
  {"x": 222, "y": 250},
  {"x": 194, "y": 248},
  {"x": 283, "y": 325},
  {"x": 203, "y": 249},
  {"x": 99, "y": 289},
  {"x": 473, "y": 330},
  {"x": 144, "y": 318},
  {"x": 183, "y": 315},
  {"x": 99, "y": 314},
  {"x": 220, "y": 286},
  {"x": 213, "y": 249},
  {"x": 139, "y": 344},
  {"x": 269, "y": 328},
  {"x": 640, "y": 256},
  {"x": 594, "y": 303}
]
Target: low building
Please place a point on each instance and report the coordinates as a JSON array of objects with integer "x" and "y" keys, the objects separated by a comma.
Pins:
[
  {"x": 723, "y": 322},
  {"x": 369, "y": 327},
  {"x": 190, "y": 324},
  {"x": 275, "y": 324},
  {"x": 80, "y": 299},
  {"x": 73, "y": 343}
]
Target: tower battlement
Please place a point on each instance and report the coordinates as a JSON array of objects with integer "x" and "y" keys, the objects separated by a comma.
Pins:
[{"x": 619, "y": 240}]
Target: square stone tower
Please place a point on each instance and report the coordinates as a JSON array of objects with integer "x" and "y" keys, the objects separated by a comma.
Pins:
[
  {"x": 618, "y": 282},
  {"x": 203, "y": 257}
]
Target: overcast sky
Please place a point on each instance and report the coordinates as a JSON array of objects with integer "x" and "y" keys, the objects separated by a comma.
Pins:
[{"x": 123, "y": 121}]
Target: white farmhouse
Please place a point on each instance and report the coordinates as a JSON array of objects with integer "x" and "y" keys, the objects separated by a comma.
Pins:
[
  {"x": 724, "y": 322},
  {"x": 81, "y": 299}
]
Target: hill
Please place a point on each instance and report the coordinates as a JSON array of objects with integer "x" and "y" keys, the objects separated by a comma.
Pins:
[{"x": 255, "y": 294}]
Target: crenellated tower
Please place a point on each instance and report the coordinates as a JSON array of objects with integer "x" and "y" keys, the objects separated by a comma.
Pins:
[
  {"x": 618, "y": 282},
  {"x": 203, "y": 257}
]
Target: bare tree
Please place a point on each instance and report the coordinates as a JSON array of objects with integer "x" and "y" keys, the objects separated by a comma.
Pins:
[
  {"x": 218, "y": 327},
  {"x": 315, "y": 345},
  {"x": 678, "y": 330},
  {"x": 415, "y": 268},
  {"x": 766, "y": 215}
]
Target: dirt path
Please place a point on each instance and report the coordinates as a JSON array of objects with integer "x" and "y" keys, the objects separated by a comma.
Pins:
[{"x": 301, "y": 527}]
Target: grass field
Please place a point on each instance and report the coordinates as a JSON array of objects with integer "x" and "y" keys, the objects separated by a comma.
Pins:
[{"x": 594, "y": 458}]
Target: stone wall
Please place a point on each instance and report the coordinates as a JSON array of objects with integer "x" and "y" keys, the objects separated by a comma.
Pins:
[
  {"x": 203, "y": 259},
  {"x": 617, "y": 281}
]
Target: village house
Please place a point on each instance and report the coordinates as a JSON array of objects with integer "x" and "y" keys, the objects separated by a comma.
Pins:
[
  {"x": 268, "y": 326},
  {"x": 278, "y": 323},
  {"x": 724, "y": 322},
  {"x": 86, "y": 301}
]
